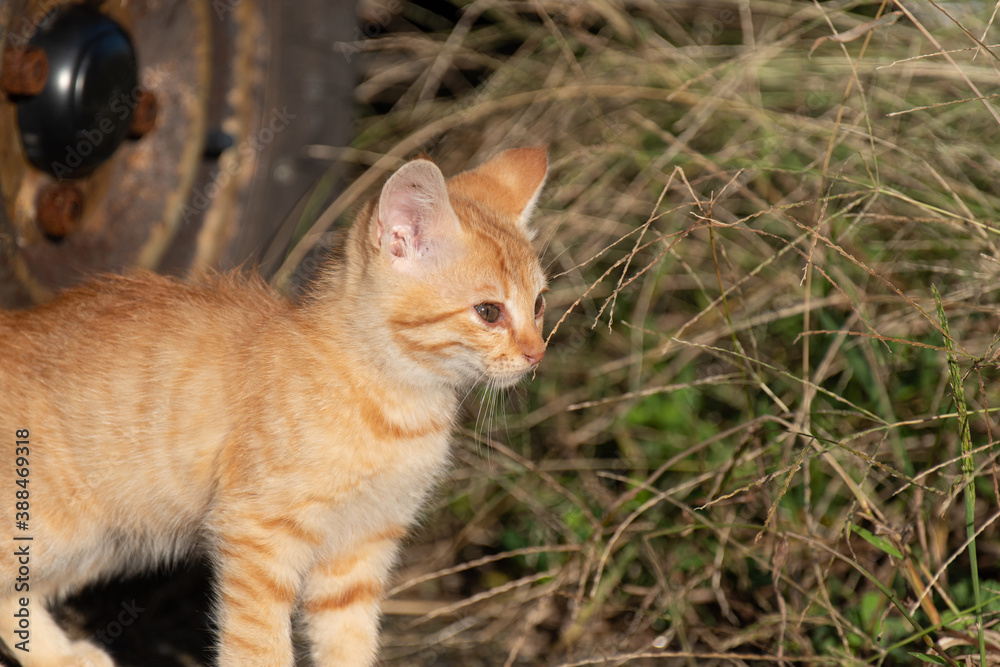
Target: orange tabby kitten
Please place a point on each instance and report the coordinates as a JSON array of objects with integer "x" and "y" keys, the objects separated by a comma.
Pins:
[{"x": 143, "y": 418}]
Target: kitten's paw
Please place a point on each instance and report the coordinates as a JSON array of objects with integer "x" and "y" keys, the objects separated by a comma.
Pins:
[{"x": 86, "y": 654}]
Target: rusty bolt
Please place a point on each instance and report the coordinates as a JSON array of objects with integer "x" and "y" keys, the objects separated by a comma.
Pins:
[
  {"x": 59, "y": 208},
  {"x": 24, "y": 71},
  {"x": 144, "y": 115}
]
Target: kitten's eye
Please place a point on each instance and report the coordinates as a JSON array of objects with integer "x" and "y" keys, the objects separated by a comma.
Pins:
[
  {"x": 490, "y": 312},
  {"x": 539, "y": 305}
]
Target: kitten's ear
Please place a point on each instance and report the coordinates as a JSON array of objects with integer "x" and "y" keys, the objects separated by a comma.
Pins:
[
  {"x": 519, "y": 173},
  {"x": 414, "y": 214}
]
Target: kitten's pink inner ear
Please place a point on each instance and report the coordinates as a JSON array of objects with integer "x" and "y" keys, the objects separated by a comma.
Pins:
[
  {"x": 412, "y": 209},
  {"x": 399, "y": 240}
]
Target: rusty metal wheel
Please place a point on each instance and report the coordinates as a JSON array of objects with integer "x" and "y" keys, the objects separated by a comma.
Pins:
[{"x": 161, "y": 134}]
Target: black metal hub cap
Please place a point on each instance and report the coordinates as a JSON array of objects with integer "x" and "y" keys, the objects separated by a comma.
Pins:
[{"x": 83, "y": 114}]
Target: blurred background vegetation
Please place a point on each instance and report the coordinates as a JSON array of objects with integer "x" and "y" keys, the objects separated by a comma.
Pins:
[{"x": 764, "y": 430}]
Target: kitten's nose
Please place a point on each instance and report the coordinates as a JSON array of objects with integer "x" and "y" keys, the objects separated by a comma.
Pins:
[{"x": 533, "y": 348}]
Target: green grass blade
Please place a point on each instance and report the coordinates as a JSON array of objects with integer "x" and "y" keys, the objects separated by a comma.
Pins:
[{"x": 968, "y": 467}]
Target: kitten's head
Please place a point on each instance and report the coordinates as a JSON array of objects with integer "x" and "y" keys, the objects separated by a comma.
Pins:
[{"x": 460, "y": 279}]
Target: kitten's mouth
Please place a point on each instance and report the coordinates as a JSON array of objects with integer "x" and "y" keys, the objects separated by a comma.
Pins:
[{"x": 508, "y": 380}]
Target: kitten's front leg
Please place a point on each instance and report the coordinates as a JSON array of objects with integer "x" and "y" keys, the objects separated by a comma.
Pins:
[
  {"x": 342, "y": 597},
  {"x": 256, "y": 591},
  {"x": 47, "y": 645}
]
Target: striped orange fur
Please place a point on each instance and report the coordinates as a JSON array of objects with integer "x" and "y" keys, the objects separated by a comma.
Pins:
[{"x": 294, "y": 443}]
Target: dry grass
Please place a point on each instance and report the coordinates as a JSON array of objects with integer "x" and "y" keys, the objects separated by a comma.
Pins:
[{"x": 744, "y": 446}]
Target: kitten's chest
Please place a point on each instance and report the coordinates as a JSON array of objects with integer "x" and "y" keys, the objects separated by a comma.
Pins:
[
  {"x": 345, "y": 451},
  {"x": 377, "y": 431},
  {"x": 385, "y": 486},
  {"x": 376, "y": 446},
  {"x": 398, "y": 466}
]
